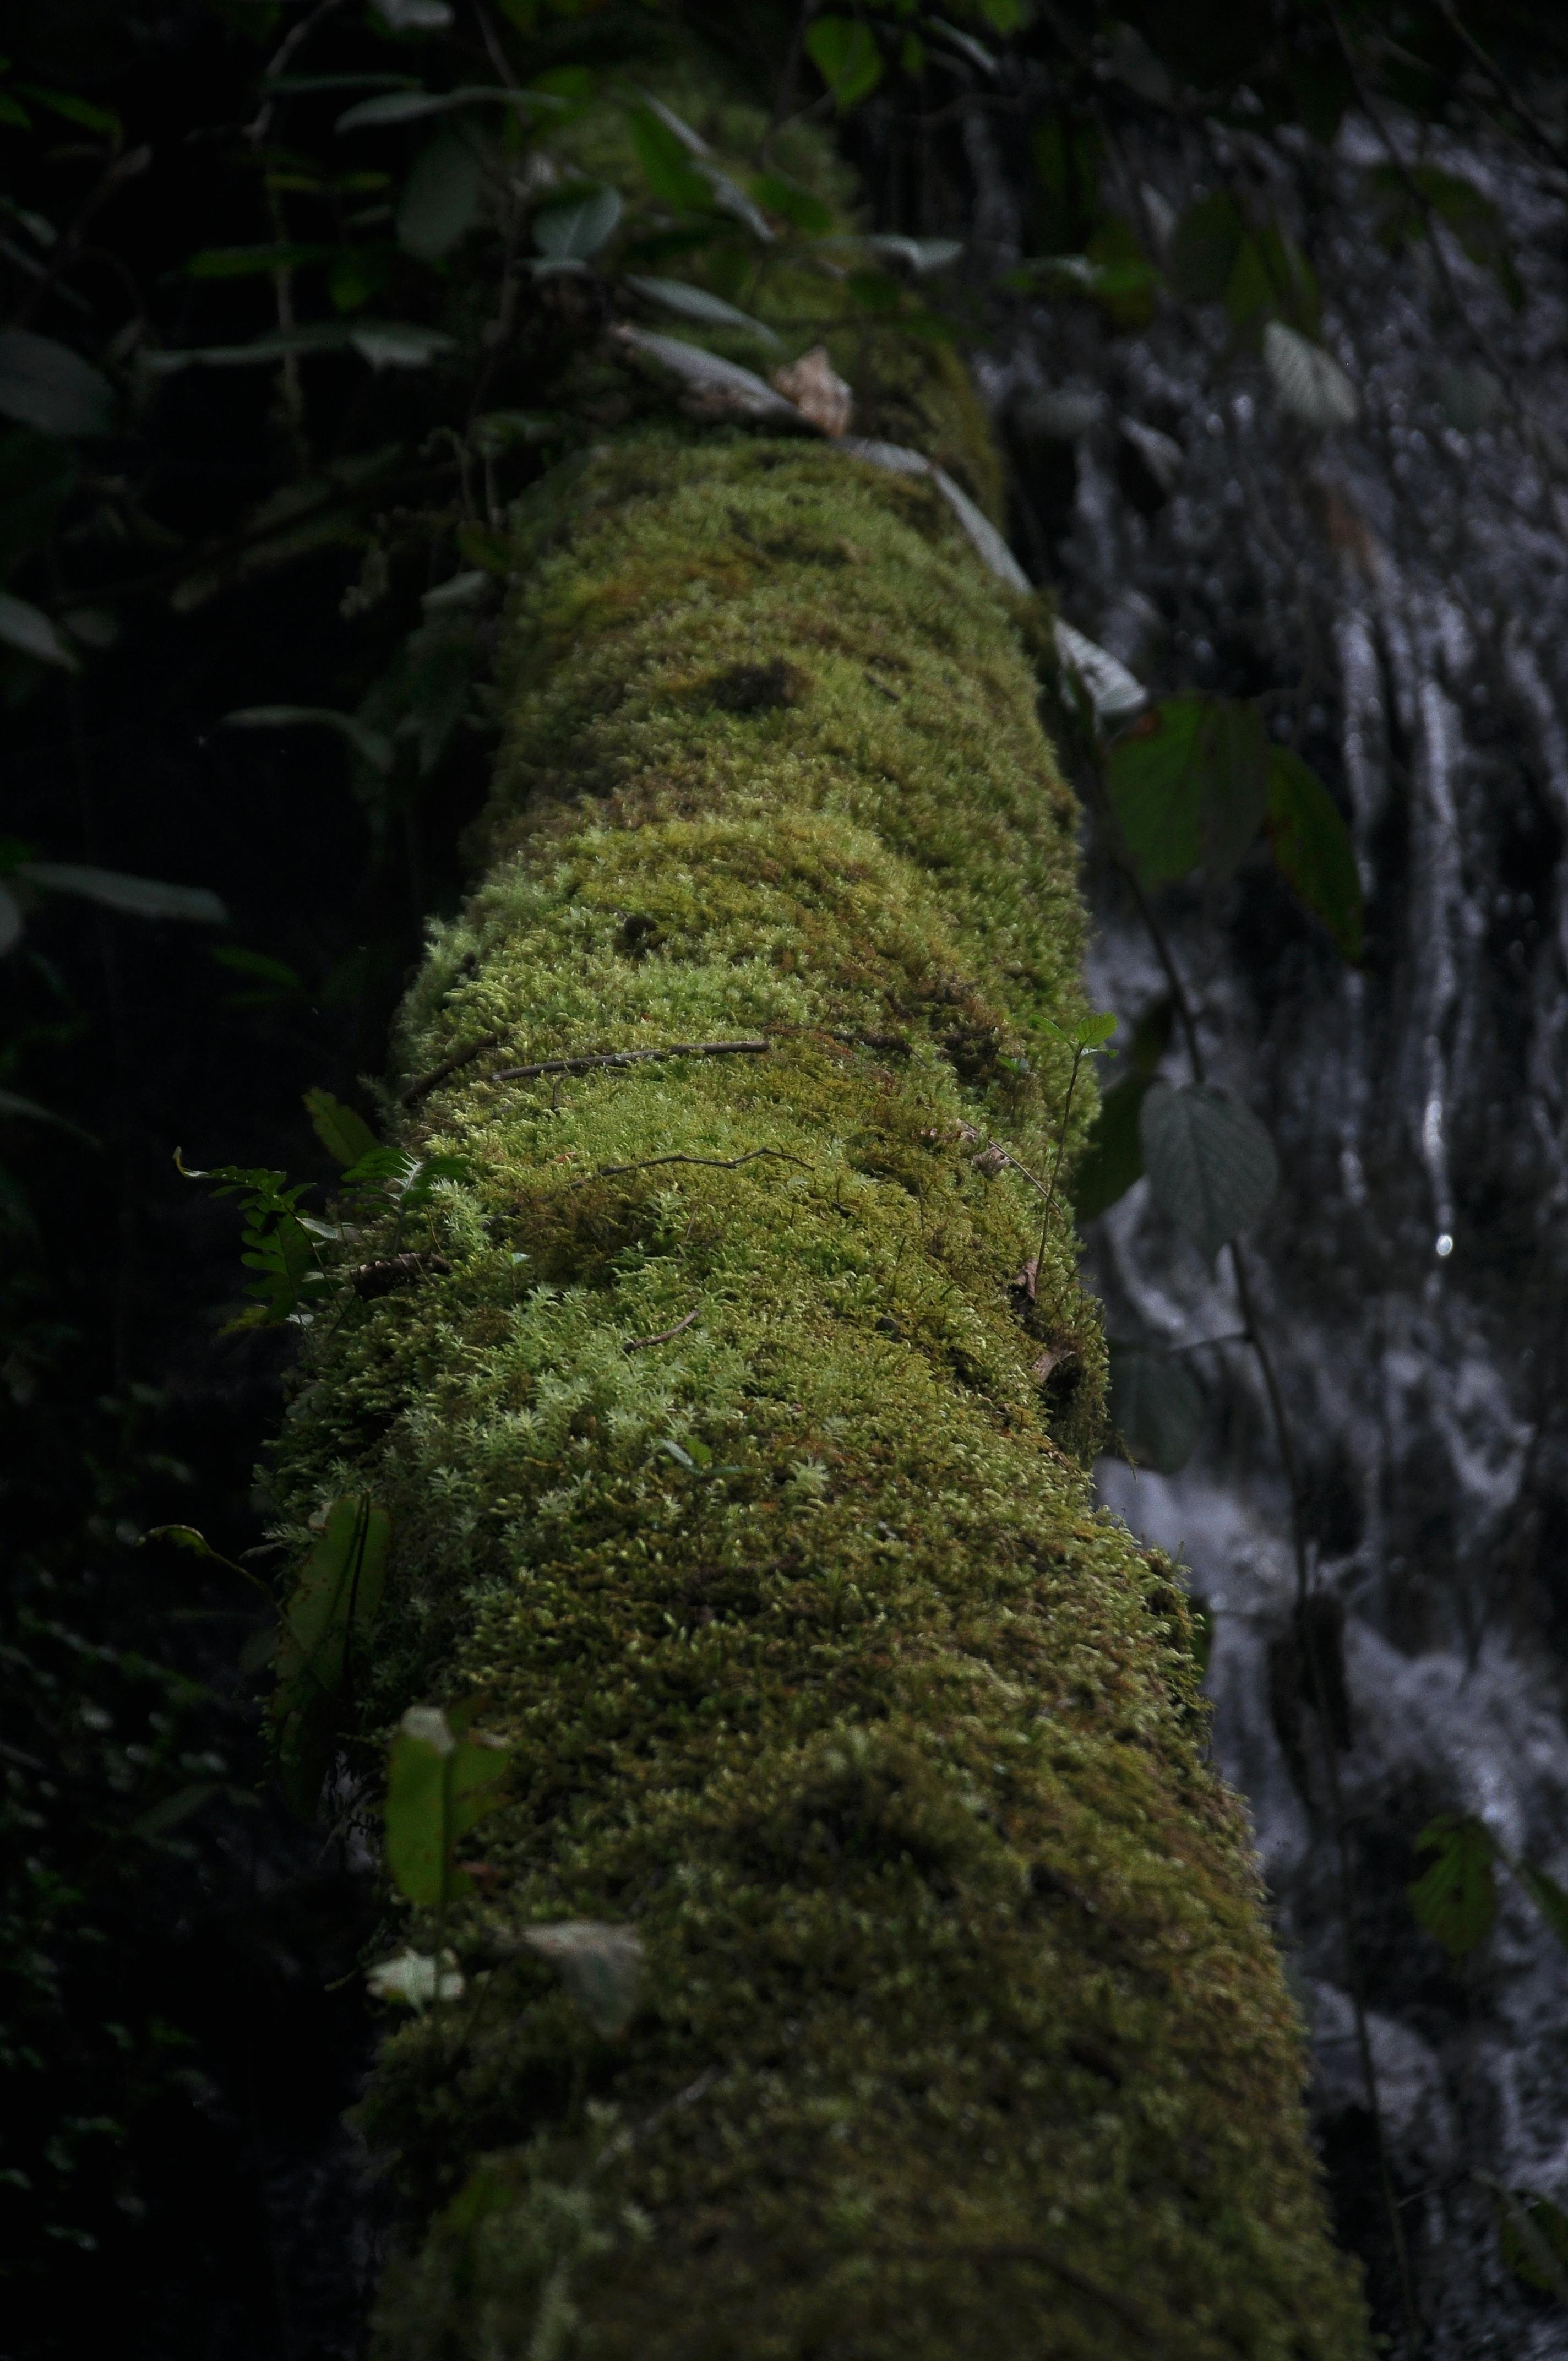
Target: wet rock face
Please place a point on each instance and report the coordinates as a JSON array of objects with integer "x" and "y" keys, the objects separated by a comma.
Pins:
[{"x": 1395, "y": 592}]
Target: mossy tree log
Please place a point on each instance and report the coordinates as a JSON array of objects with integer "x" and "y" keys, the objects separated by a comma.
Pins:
[{"x": 962, "y": 2033}]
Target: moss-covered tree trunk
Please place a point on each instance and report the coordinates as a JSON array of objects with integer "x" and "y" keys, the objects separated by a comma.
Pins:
[{"x": 735, "y": 1447}]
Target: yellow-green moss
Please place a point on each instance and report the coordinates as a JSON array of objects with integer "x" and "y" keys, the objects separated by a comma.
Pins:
[{"x": 963, "y": 2033}]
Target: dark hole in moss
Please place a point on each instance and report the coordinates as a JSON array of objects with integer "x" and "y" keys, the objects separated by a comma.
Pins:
[
  {"x": 638, "y": 935},
  {"x": 758, "y": 687},
  {"x": 971, "y": 1054}
]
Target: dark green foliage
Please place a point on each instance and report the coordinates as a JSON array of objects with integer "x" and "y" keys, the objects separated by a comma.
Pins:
[
  {"x": 1156, "y": 1408},
  {"x": 1210, "y": 1163},
  {"x": 1456, "y": 1898},
  {"x": 1114, "y": 1157},
  {"x": 441, "y": 1780},
  {"x": 323, "y": 1635},
  {"x": 1313, "y": 850}
]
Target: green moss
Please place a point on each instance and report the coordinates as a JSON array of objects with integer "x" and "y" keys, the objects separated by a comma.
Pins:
[{"x": 963, "y": 2033}]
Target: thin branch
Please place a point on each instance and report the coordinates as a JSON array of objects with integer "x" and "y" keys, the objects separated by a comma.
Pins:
[
  {"x": 630, "y": 1058},
  {"x": 411, "y": 1093},
  {"x": 640, "y": 1343},
  {"x": 718, "y": 1163}
]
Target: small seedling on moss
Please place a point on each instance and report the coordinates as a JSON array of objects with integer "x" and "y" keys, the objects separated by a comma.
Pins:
[{"x": 1087, "y": 1039}]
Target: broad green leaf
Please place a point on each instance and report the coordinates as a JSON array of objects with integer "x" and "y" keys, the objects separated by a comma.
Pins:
[
  {"x": 1456, "y": 1898},
  {"x": 1534, "y": 2239},
  {"x": 414, "y": 105},
  {"x": 335, "y": 1598},
  {"x": 667, "y": 164},
  {"x": 372, "y": 746},
  {"x": 716, "y": 387},
  {"x": 1113, "y": 1158},
  {"x": 440, "y": 198},
  {"x": 697, "y": 304},
  {"x": 794, "y": 203},
  {"x": 728, "y": 197},
  {"x": 691, "y": 141},
  {"x": 72, "y": 109},
  {"x": 345, "y": 1136},
  {"x": 13, "y": 923},
  {"x": 1211, "y": 1166},
  {"x": 600, "y": 1965},
  {"x": 1312, "y": 849},
  {"x": 385, "y": 343},
  {"x": 27, "y": 628},
  {"x": 1157, "y": 789},
  {"x": 440, "y": 1783},
  {"x": 478, "y": 1769},
  {"x": 846, "y": 55},
  {"x": 418, "y": 1837},
  {"x": 1548, "y": 1897},
  {"x": 139, "y": 897},
  {"x": 1412, "y": 193},
  {"x": 1310, "y": 381},
  {"x": 271, "y": 981},
  {"x": 1203, "y": 248},
  {"x": 574, "y": 227},
  {"x": 45, "y": 384},
  {"x": 1156, "y": 1408},
  {"x": 1231, "y": 754},
  {"x": 1188, "y": 781}
]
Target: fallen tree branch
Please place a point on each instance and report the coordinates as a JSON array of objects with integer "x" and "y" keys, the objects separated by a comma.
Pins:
[
  {"x": 755, "y": 1048},
  {"x": 719, "y": 1163},
  {"x": 640, "y": 1343}
]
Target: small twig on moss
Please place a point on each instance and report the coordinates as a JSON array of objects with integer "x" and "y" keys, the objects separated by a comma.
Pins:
[
  {"x": 640, "y": 1343},
  {"x": 411, "y": 1093},
  {"x": 379, "y": 1278},
  {"x": 630, "y": 1058},
  {"x": 719, "y": 1163}
]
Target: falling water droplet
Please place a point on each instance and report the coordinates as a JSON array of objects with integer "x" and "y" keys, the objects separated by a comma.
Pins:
[{"x": 1444, "y": 1245}]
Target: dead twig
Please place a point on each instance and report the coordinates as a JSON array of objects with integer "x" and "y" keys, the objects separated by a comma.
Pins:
[
  {"x": 630, "y": 1058},
  {"x": 718, "y": 1163},
  {"x": 640, "y": 1343},
  {"x": 411, "y": 1093},
  {"x": 372, "y": 1278}
]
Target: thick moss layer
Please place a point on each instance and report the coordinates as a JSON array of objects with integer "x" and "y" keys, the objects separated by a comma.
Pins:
[{"x": 963, "y": 2033}]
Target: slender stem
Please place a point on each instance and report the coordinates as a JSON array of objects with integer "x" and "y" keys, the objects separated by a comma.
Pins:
[{"x": 1061, "y": 1143}]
